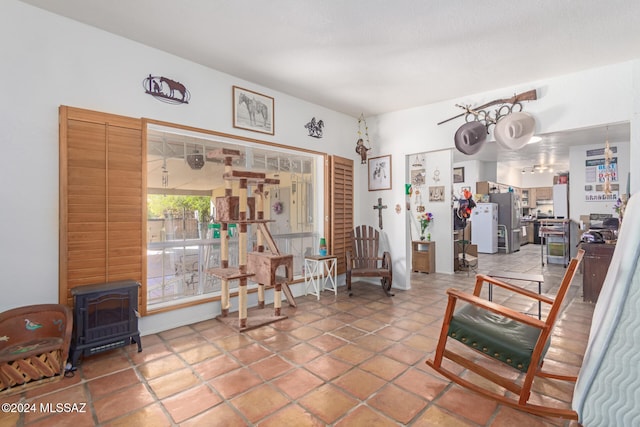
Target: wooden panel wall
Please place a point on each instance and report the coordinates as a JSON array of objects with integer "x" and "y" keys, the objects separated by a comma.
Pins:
[
  {"x": 341, "y": 208},
  {"x": 102, "y": 201}
]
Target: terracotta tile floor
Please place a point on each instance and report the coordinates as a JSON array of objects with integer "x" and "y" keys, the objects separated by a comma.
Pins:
[{"x": 339, "y": 361}]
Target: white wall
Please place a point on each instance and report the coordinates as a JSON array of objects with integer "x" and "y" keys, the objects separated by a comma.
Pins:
[
  {"x": 538, "y": 179},
  {"x": 472, "y": 172},
  {"x": 488, "y": 171},
  {"x": 509, "y": 176},
  {"x": 593, "y": 97},
  {"x": 577, "y": 180},
  {"x": 48, "y": 61},
  {"x": 440, "y": 229}
]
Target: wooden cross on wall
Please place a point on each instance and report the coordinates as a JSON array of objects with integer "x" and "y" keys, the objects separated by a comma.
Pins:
[{"x": 379, "y": 207}]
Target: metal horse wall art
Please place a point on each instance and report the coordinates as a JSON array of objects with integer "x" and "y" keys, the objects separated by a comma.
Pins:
[
  {"x": 315, "y": 128},
  {"x": 166, "y": 90}
]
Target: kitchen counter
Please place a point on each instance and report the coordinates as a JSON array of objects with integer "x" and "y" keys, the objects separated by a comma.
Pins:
[{"x": 531, "y": 230}]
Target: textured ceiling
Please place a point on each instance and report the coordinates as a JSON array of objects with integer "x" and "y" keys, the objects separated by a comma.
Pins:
[{"x": 376, "y": 56}]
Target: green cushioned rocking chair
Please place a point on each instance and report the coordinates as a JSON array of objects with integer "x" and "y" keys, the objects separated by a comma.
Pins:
[{"x": 502, "y": 334}]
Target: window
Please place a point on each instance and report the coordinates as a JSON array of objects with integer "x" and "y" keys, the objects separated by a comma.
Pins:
[{"x": 183, "y": 238}]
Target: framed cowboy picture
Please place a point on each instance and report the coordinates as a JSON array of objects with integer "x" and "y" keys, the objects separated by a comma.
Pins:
[{"x": 253, "y": 111}]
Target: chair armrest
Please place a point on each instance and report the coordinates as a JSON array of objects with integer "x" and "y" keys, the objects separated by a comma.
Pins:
[
  {"x": 482, "y": 278},
  {"x": 496, "y": 308}
]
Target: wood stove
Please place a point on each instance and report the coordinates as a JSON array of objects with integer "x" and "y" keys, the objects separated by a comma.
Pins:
[{"x": 105, "y": 317}]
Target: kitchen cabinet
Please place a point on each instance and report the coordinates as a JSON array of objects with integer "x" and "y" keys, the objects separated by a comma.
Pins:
[
  {"x": 524, "y": 197},
  {"x": 483, "y": 187},
  {"x": 544, "y": 194},
  {"x": 488, "y": 187},
  {"x": 530, "y": 231},
  {"x": 532, "y": 197}
]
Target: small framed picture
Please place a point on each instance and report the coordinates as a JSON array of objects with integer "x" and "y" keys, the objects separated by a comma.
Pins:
[
  {"x": 418, "y": 177},
  {"x": 463, "y": 189},
  {"x": 436, "y": 193},
  {"x": 458, "y": 175},
  {"x": 380, "y": 173},
  {"x": 253, "y": 111}
]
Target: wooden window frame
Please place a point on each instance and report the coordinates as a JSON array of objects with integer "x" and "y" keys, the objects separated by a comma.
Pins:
[{"x": 66, "y": 113}]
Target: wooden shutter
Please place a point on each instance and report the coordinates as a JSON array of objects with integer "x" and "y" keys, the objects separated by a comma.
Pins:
[
  {"x": 341, "y": 208},
  {"x": 102, "y": 191}
]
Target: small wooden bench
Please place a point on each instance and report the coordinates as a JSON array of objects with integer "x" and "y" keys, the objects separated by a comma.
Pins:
[{"x": 34, "y": 343}]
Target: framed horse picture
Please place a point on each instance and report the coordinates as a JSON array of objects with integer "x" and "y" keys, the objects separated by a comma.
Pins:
[
  {"x": 253, "y": 111},
  {"x": 380, "y": 173}
]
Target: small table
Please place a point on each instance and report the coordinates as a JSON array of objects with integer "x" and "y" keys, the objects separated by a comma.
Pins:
[
  {"x": 319, "y": 271},
  {"x": 423, "y": 256},
  {"x": 526, "y": 277}
]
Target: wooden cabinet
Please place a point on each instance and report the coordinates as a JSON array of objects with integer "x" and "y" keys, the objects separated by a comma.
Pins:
[
  {"x": 423, "y": 257},
  {"x": 544, "y": 193},
  {"x": 531, "y": 230},
  {"x": 597, "y": 257},
  {"x": 482, "y": 187},
  {"x": 532, "y": 197},
  {"x": 488, "y": 187}
]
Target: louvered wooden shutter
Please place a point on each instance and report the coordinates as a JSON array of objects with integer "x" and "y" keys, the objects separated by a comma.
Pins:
[
  {"x": 102, "y": 190},
  {"x": 341, "y": 208}
]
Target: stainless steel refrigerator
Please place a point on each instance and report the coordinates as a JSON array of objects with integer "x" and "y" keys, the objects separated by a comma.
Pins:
[{"x": 508, "y": 221}]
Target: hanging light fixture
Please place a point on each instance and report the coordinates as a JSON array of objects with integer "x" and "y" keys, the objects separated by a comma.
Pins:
[
  {"x": 195, "y": 160},
  {"x": 165, "y": 174}
]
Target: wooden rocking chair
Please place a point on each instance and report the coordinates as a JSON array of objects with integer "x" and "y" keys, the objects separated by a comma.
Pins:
[
  {"x": 363, "y": 259},
  {"x": 502, "y": 334}
]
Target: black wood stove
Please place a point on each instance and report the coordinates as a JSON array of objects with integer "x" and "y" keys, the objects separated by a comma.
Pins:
[{"x": 105, "y": 317}]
